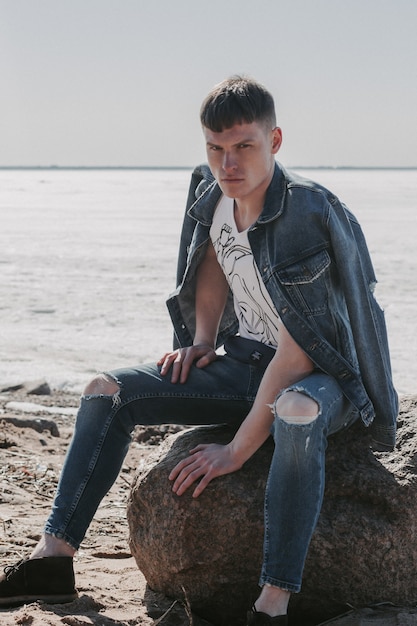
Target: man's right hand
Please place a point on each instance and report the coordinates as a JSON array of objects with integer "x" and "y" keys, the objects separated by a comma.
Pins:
[{"x": 182, "y": 359}]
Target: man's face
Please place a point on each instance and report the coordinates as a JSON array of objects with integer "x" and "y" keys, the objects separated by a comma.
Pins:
[{"x": 241, "y": 158}]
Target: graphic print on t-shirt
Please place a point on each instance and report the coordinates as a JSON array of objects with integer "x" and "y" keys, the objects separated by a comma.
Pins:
[{"x": 253, "y": 306}]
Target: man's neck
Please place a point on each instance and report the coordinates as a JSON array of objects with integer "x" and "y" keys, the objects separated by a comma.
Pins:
[
  {"x": 246, "y": 214},
  {"x": 248, "y": 208}
]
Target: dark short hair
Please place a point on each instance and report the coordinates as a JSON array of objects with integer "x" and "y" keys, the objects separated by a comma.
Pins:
[{"x": 237, "y": 100}]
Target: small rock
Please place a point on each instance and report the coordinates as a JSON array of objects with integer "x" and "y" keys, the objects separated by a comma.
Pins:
[
  {"x": 37, "y": 388},
  {"x": 38, "y": 424},
  {"x": 11, "y": 388},
  {"x": 32, "y": 387}
]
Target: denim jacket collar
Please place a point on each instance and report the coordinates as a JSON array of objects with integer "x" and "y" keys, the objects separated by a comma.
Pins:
[{"x": 202, "y": 209}]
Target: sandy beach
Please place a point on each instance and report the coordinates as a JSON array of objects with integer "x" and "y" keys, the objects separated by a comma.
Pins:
[
  {"x": 112, "y": 591},
  {"x": 87, "y": 260}
]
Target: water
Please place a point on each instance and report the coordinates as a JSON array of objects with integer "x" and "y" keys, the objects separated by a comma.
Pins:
[{"x": 88, "y": 257}]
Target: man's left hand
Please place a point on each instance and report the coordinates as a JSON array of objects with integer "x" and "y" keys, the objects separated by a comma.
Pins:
[{"x": 206, "y": 461}]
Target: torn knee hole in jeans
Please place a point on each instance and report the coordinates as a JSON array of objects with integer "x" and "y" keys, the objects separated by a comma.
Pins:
[
  {"x": 104, "y": 386},
  {"x": 296, "y": 406}
]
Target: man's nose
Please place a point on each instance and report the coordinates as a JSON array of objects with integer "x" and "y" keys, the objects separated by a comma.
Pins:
[{"x": 229, "y": 161}]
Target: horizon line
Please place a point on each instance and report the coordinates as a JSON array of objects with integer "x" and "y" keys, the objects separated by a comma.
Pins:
[{"x": 186, "y": 167}]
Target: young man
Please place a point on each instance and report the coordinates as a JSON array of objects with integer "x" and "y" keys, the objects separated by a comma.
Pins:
[{"x": 276, "y": 269}]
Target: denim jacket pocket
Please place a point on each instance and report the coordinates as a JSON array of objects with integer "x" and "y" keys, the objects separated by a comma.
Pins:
[{"x": 306, "y": 282}]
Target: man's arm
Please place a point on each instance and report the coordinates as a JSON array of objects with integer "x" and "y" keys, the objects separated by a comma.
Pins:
[
  {"x": 211, "y": 295},
  {"x": 205, "y": 462},
  {"x": 289, "y": 365}
]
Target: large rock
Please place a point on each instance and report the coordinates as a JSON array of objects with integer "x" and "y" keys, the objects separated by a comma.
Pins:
[
  {"x": 205, "y": 550},
  {"x": 208, "y": 551}
]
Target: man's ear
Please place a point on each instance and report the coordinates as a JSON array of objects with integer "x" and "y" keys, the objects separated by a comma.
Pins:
[{"x": 276, "y": 139}]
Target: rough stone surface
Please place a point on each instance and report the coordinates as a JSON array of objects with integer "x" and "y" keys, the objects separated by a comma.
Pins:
[
  {"x": 204, "y": 548},
  {"x": 380, "y": 615},
  {"x": 209, "y": 550}
]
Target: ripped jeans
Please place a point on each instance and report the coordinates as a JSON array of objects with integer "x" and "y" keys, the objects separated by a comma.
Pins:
[{"x": 223, "y": 392}]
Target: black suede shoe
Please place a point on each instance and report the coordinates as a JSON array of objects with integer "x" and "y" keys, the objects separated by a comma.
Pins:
[
  {"x": 256, "y": 618},
  {"x": 50, "y": 579}
]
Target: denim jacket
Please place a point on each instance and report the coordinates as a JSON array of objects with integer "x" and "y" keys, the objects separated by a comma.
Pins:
[{"x": 313, "y": 259}]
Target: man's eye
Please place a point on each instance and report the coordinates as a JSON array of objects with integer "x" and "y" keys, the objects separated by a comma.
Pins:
[{"x": 244, "y": 145}]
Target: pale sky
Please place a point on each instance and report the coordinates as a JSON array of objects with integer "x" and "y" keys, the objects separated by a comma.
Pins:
[{"x": 120, "y": 82}]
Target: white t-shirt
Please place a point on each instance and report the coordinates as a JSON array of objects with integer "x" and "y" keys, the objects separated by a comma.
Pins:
[{"x": 254, "y": 309}]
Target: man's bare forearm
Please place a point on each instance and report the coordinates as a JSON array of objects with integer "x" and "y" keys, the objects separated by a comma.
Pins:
[{"x": 289, "y": 365}]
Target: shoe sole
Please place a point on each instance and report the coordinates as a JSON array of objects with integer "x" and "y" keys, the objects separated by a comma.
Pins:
[{"x": 20, "y": 600}]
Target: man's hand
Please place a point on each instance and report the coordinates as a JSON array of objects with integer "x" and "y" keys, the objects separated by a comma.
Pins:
[
  {"x": 206, "y": 461},
  {"x": 182, "y": 359}
]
